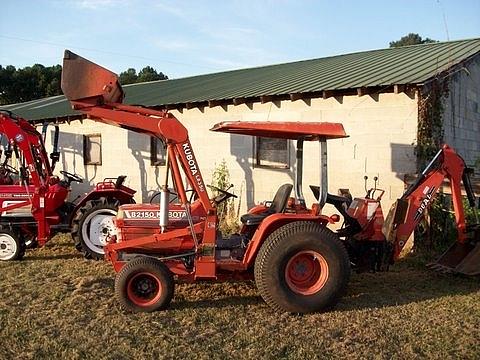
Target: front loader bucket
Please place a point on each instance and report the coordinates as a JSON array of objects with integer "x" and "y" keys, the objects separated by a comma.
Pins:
[
  {"x": 463, "y": 258},
  {"x": 82, "y": 79}
]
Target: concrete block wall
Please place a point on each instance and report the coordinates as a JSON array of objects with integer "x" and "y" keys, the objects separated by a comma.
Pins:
[
  {"x": 462, "y": 113},
  {"x": 382, "y": 129}
]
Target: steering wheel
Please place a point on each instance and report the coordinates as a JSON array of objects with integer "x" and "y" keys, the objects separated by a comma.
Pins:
[
  {"x": 222, "y": 191},
  {"x": 193, "y": 196},
  {"x": 224, "y": 195},
  {"x": 71, "y": 177},
  {"x": 9, "y": 169}
]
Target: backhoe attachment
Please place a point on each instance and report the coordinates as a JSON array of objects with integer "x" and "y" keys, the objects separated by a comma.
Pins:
[
  {"x": 463, "y": 258},
  {"x": 464, "y": 255}
]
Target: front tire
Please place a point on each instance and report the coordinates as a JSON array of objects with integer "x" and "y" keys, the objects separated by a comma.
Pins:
[
  {"x": 12, "y": 246},
  {"x": 144, "y": 285},
  {"x": 302, "y": 267},
  {"x": 93, "y": 225}
]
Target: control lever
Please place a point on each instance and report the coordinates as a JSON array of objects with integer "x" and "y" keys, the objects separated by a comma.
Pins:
[
  {"x": 375, "y": 179},
  {"x": 365, "y": 178}
]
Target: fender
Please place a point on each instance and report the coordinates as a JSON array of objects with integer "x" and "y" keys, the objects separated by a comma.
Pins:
[
  {"x": 123, "y": 194},
  {"x": 272, "y": 223}
]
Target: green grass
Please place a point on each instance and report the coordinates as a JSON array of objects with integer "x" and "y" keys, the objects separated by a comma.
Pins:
[{"x": 54, "y": 304}]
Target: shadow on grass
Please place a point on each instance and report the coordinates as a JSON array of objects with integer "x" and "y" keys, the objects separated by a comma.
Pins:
[
  {"x": 403, "y": 286},
  {"x": 217, "y": 303},
  {"x": 406, "y": 284}
]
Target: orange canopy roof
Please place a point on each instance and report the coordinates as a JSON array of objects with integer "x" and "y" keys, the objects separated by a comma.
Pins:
[{"x": 284, "y": 130}]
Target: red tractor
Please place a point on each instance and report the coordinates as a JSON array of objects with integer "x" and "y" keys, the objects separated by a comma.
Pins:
[
  {"x": 33, "y": 204},
  {"x": 297, "y": 262}
]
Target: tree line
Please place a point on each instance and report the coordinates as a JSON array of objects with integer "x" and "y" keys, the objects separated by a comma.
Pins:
[{"x": 38, "y": 81}]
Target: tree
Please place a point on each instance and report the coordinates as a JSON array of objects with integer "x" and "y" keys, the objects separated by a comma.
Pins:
[
  {"x": 146, "y": 74},
  {"x": 38, "y": 81},
  {"x": 6, "y": 81},
  {"x": 150, "y": 74},
  {"x": 128, "y": 77},
  {"x": 411, "y": 39},
  {"x": 29, "y": 83}
]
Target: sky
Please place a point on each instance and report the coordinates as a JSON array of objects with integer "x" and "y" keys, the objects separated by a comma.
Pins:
[{"x": 185, "y": 38}]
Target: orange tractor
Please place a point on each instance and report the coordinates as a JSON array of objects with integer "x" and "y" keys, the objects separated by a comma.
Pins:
[{"x": 297, "y": 262}]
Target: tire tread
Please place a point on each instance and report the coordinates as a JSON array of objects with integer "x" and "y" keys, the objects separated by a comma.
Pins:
[{"x": 276, "y": 240}]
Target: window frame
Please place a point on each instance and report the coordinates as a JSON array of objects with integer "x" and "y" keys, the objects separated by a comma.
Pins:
[
  {"x": 257, "y": 160},
  {"x": 154, "y": 161},
  {"x": 86, "y": 158}
]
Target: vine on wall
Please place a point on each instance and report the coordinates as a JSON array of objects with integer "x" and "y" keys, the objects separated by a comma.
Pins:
[
  {"x": 430, "y": 119},
  {"x": 429, "y": 140}
]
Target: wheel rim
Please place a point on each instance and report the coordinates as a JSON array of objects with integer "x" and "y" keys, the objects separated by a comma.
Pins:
[
  {"x": 306, "y": 272},
  {"x": 97, "y": 228},
  {"x": 8, "y": 247},
  {"x": 144, "y": 289}
]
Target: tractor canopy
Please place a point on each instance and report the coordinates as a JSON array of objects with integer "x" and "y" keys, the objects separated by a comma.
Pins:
[
  {"x": 283, "y": 130},
  {"x": 300, "y": 131}
]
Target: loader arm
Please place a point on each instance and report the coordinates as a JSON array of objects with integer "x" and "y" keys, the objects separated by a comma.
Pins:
[
  {"x": 96, "y": 92},
  {"x": 408, "y": 211},
  {"x": 23, "y": 136}
]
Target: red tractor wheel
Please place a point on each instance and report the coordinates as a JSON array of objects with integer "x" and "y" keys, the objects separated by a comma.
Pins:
[
  {"x": 306, "y": 272},
  {"x": 302, "y": 267},
  {"x": 144, "y": 285}
]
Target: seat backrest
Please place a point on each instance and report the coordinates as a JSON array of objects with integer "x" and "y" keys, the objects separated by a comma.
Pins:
[
  {"x": 120, "y": 181},
  {"x": 280, "y": 200}
]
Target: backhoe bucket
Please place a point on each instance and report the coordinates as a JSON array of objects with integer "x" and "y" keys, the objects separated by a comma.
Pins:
[
  {"x": 463, "y": 258},
  {"x": 82, "y": 79}
]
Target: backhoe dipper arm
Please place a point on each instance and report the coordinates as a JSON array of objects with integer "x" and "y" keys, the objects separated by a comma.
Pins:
[{"x": 418, "y": 197}]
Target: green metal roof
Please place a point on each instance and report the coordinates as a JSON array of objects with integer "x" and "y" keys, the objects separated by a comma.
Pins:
[{"x": 376, "y": 68}]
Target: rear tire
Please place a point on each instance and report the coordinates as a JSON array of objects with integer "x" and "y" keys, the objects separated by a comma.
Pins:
[
  {"x": 144, "y": 285},
  {"x": 302, "y": 267},
  {"x": 92, "y": 225},
  {"x": 12, "y": 246}
]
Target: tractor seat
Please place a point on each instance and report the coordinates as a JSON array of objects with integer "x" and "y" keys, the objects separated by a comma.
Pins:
[
  {"x": 341, "y": 203},
  {"x": 335, "y": 200},
  {"x": 338, "y": 199},
  {"x": 279, "y": 204},
  {"x": 120, "y": 181}
]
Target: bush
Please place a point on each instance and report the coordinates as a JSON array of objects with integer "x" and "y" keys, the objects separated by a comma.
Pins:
[
  {"x": 439, "y": 230},
  {"x": 227, "y": 217}
]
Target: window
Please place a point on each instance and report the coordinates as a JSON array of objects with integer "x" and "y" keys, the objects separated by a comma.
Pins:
[
  {"x": 158, "y": 152},
  {"x": 92, "y": 149},
  {"x": 272, "y": 153}
]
